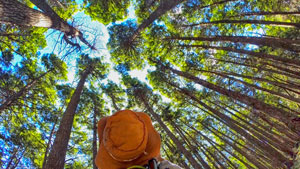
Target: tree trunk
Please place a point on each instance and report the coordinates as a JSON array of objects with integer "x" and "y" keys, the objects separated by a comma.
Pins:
[
  {"x": 56, "y": 159},
  {"x": 297, "y": 100},
  {"x": 275, "y": 83},
  {"x": 6, "y": 103},
  {"x": 278, "y": 114},
  {"x": 261, "y": 22},
  {"x": 14, "y": 12},
  {"x": 260, "y": 67},
  {"x": 193, "y": 149},
  {"x": 213, "y": 4},
  {"x": 57, "y": 20},
  {"x": 49, "y": 145},
  {"x": 240, "y": 151},
  {"x": 251, "y": 53},
  {"x": 179, "y": 145},
  {"x": 260, "y": 133},
  {"x": 286, "y": 44},
  {"x": 267, "y": 13},
  {"x": 164, "y": 6},
  {"x": 96, "y": 112},
  {"x": 113, "y": 99},
  {"x": 234, "y": 125},
  {"x": 19, "y": 159}
]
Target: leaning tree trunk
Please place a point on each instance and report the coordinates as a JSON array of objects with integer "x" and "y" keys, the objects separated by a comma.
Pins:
[
  {"x": 9, "y": 101},
  {"x": 234, "y": 125},
  {"x": 281, "y": 115},
  {"x": 286, "y": 44},
  {"x": 262, "y": 13},
  {"x": 16, "y": 13},
  {"x": 261, "y": 22},
  {"x": 56, "y": 159},
  {"x": 180, "y": 146},
  {"x": 164, "y": 6},
  {"x": 49, "y": 144},
  {"x": 96, "y": 112},
  {"x": 251, "y": 53}
]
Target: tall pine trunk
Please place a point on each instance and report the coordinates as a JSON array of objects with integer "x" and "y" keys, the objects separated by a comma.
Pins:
[
  {"x": 49, "y": 144},
  {"x": 96, "y": 112},
  {"x": 251, "y": 53},
  {"x": 56, "y": 159},
  {"x": 179, "y": 145},
  {"x": 164, "y": 6},
  {"x": 279, "y": 114},
  {"x": 286, "y": 44},
  {"x": 261, "y": 22},
  {"x": 16, "y": 13}
]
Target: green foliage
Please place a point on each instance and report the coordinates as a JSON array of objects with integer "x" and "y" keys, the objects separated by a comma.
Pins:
[{"x": 107, "y": 11}]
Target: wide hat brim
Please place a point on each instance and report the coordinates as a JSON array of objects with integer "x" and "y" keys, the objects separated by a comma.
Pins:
[{"x": 104, "y": 159}]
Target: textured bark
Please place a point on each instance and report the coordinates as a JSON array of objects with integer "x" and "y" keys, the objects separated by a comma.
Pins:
[
  {"x": 292, "y": 45},
  {"x": 261, "y": 22},
  {"x": 179, "y": 145},
  {"x": 14, "y": 12},
  {"x": 56, "y": 159},
  {"x": 58, "y": 22}
]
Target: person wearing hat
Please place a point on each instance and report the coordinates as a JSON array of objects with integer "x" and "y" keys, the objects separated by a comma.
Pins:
[{"x": 128, "y": 140}]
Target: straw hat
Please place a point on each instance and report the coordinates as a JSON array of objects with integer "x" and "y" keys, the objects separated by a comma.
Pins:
[{"x": 127, "y": 138}]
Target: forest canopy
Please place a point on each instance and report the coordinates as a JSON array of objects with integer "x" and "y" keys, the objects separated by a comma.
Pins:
[{"x": 219, "y": 78}]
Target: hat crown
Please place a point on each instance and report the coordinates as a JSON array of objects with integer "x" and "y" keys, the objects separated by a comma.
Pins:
[{"x": 125, "y": 135}]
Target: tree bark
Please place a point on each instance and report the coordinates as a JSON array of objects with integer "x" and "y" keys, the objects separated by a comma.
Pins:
[
  {"x": 14, "y": 12},
  {"x": 286, "y": 44},
  {"x": 240, "y": 151},
  {"x": 267, "y": 13},
  {"x": 261, "y": 22},
  {"x": 192, "y": 147},
  {"x": 179, "y": 145},
  {"x": 96, "y": 112},
  {"x": 49, "y": 145},
  {"x": 275, "y": 83},
  {"x": 297, "y": 100},
  {"x": 164, "y": 6},
  {"x": 278, "y": 114},
  {"x": 251, "y": 53},
  {"x": 56, "y": 159}
]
